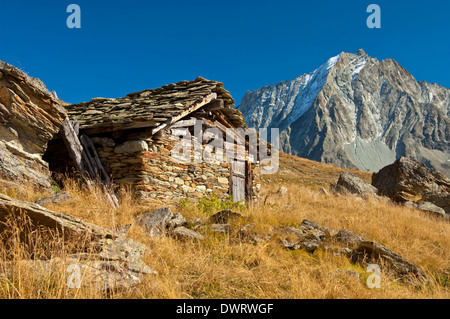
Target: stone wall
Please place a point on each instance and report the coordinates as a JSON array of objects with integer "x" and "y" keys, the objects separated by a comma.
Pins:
[{"x": 147, "y": 166}]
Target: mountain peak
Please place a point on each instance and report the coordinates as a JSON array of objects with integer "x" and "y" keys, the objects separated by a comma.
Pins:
[{"x": 357, "y": 112}]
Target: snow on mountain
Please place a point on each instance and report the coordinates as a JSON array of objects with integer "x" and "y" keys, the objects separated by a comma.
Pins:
[{"x": 355, "y": 111}]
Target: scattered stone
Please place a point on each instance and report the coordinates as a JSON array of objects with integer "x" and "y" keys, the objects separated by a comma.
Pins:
[
  {"x": 220, "y": 228},
  {"x": 156, "y": 221},
  {"x": 55, "y": 199},
  {"x": 184, "y": 233},
  {"x": 411, "y": 204},
  {"x": 431, "y": 208},
  {"x": 176, "y": 221},
  {"x": 440, "y": 200},
  {"x": 339, "y": 190},
  {"x": 49, "y": 219},
  {"x": 355, "y": 185},
  {"x": 224, "y": 217},
  {"x": 348, "y": 238}
]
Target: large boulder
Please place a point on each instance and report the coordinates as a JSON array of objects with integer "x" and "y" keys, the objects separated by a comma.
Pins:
[
  {"x": 349, "y": 183},
  {"x": 408, "y": 180},
  {"x": 29, "y": 117}
]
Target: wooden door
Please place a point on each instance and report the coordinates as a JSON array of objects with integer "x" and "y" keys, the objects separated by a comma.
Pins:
[{"x": 238, "y": 180}]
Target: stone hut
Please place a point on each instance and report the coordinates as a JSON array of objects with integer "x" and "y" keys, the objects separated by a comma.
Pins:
[{"x": 135, "y": 138}]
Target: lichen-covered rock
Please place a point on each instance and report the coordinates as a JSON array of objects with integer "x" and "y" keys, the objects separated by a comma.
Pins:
[
  {"x": 54, "y": 199},
  {"x": 184, "y": 233},
  {"x": 408, "y": 180},
  {"x": 355, "y": 185},
  {"x": 440, "y": 200},
  {"x": 432, "y": 209},
  {"x": 29, "y": 117},
  {"x": 155, "y": 222}
]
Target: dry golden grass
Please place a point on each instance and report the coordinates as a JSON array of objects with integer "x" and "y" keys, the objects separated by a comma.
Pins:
[{"x": 220, "y": 267}]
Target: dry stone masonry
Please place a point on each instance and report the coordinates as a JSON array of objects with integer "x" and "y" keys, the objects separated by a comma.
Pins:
[{"x": 135, "y": 135}]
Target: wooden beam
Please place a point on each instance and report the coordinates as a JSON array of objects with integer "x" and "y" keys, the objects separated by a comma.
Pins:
[
  {"x": 214, "y": 105},
  {"x": 73, "y": 145},
  {"x": 98, "y": 171},
  {"x": 85, "y": 162},
  {"x": 191, "y": 109}
]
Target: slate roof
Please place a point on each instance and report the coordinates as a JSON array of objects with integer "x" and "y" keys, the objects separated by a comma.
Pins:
[{"x": 153, "y": 107}]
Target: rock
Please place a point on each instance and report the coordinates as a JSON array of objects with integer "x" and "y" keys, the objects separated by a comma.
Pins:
[
  {"x": 55, "y": 199},
  {"x": 131, "y": 147},
  {"x": 347, "y": 237},
  {"x": 125, "y": 250},
  {"x": 411, "y": 204},
  {"x": 30, "y": 116},
  {"x": 122, "y": 230},
  {"x": 49, "y": 219},
  {"x": 339, "y": 190},
  {"x": 156, "y": 221},
  {"x": 176, "y": 221},
  {"x": 440, "y": 200},
  {"x": 355, "y": 185},
  {"x": 308, "y": 246},
  {"x": 408, "y": 180},
  {"x": 431, "y": 208},
  {"x": 306, "y": 237},
  {"x": 220, "y": 228},
  {"x": 224, "y": 217},
  {"x": 103, "y": 142},
  {"x": 184, "y": 233},
  {"x": 110, "y": 261},
  {"x": 282, "y": 191},
  {"x": 368, "y": 252}
]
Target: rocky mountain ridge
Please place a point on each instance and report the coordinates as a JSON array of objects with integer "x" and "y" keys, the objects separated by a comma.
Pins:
[{"x": 357, "y": 112}]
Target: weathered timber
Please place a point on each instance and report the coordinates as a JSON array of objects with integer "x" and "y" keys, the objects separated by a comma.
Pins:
[{"x": 186, "y": 112}]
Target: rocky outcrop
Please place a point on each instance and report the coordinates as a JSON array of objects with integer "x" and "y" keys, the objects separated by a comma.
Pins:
[
  {"x": 106, "y": 259},
  {"x": 408, "y": 180},
  {"x": 29, "y": 117},
  {"x": 310, "y": 236},
  {"x": 356, "y": 112}
]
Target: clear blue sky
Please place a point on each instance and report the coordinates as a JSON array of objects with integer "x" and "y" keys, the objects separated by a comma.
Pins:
[{"x": 128, "y": 46}]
